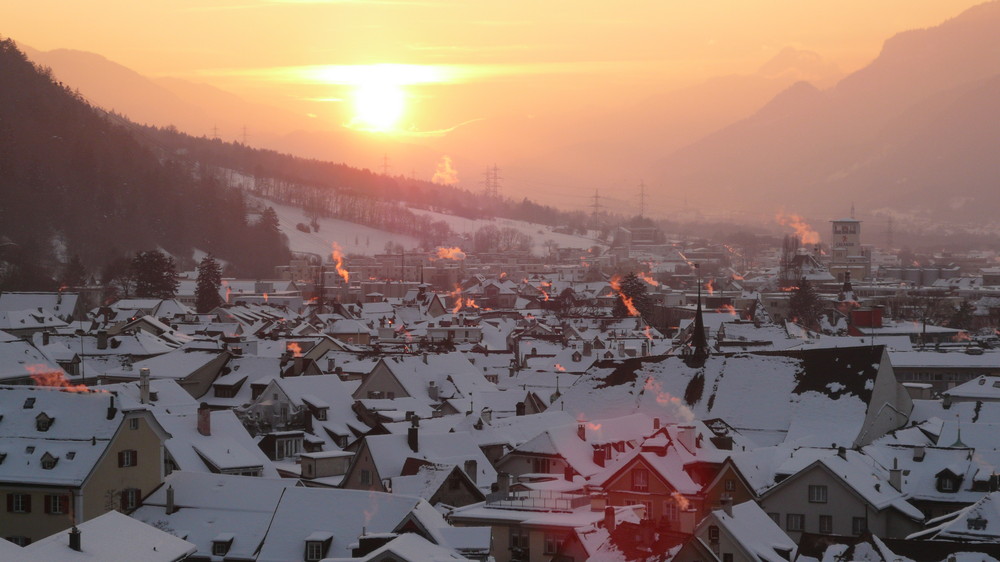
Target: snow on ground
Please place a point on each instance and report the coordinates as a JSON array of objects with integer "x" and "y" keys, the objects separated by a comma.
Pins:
[
  {"x": 353, "y": 238},
  {"x": 359, "y": 239},
  {"x": 538, "y": 232}
]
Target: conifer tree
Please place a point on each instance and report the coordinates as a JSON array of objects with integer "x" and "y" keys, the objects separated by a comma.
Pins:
[
  {"x": 206, "y": 292},
  {"x": 155, "y": 275},
  {"x": 805, "y": 305},
  {"x": 634, "y": 289}
]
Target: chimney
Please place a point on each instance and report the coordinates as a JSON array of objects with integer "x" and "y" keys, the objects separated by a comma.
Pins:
[
  {"x": 599, "y": 456},
  {"x": 685, "y": 434},
  {"x": 896, "y": 476},
  {"x": 588, "y": 348},
  {"x": 568, "y": 473},
  {"x": 432, "y": 390},
  {"x": 144, "y": 385},
  {"x": 471, "y": 469},
  {"x": 621, "y": 348},
  {"x": 918, "y": 453},
  {"x": 946, "y": 402},
  {"x": 171, "y": 508},
  {"x": 102, "y": 339},
  {"x": 842, "y": 452},
  {"x": 503, "y": 483},
  {"x": 581, "y": 431},
  {"x": 519, "y": 409},
  {"x": 425, "y": 359},
  {"x": 609, "y": 518},
  {"x": 656, "y": 424},
  {"x": 688, "y": 517},
  {"x": 45, "y": 338},
  {"x": 598, "y": 502},
  {"x": 727, "y": 504},
  {"x": 112, "y": 411},
  {"x": 413, "y": 434},
  {"x": 74, "y": 539},
  {"x": 331, "y": 363},
  {"x": 487, "y": 415},
  {"x": 204, "y": 420}
]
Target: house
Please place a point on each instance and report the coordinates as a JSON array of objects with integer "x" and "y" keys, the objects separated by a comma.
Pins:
[
  {"x": 843, "y": 494},
  {"x": 69, "y": 456},
  {"x": 533, "y": 525},
  {"x": 653, "y": 476},
  {"x": 380, "y": 458},
  {"x": 430, "y": 378},
  {"x": 66, "y": 306},
  {"x": 738, "y": 532},
  {"x": 446, "y": 484},
  {"x": 214, "y": 511},
  {"x": 846, "y": 396},
  {"x": 112, "y": 536}
]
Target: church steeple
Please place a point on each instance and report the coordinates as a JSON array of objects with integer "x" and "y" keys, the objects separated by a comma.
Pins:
[{"x": 699, "y": 343}]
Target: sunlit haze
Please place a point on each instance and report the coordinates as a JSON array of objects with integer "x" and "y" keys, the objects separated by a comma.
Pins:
[{"x": 516, "y": 83}]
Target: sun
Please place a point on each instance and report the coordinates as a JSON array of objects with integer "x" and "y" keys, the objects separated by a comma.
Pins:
[{"x": 378, "y": 105}]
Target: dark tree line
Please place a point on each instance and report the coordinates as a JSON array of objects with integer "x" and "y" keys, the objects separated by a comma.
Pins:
[{"x": 76, "y": 178}]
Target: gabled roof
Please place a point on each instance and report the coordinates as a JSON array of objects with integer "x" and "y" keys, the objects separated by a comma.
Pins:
[
  {"x": 112, "y": 536},
  {"x": 754, "y": 531}
]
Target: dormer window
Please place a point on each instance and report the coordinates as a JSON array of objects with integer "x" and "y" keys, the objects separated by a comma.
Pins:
[
  {"x": 48, "y": 461},
  {"x": 43, "y": 422},
  {"x": 29, "y": 403},
  {"x": 948, "y": 482},
  {"x": 222, "y": 543},
  {"x": 317, "y": 545}
]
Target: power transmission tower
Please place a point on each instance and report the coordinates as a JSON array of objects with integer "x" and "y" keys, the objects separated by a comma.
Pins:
[
  {"x": 491, "y": 181},
  {"x": 215, "y": 132},
  {"x": 642, "y": 198},
  {"x": 385, "y": 164},
  {"x": 596, "y": 205},
  {"x": 244, "y": 134},
  {"x": 888, "y": 233}
]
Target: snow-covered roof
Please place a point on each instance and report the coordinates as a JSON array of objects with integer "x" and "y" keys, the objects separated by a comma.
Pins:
[{"x": 111, "y": 536}]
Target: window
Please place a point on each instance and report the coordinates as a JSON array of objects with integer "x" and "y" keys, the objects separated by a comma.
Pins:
[
  {"x": 220, "y": 548},
  {"x": 817, "y": 494},
  {"x": 49, "y": 462},
  {"x": 730, "y": 485},
  {"x": 130, "y": 499},
  {"x": 946, "y": 484},
  {"x": 127, "y": 458},
  {"x": 553, "y": 543},
  {"x": 289, "y": 447},
  {"x": 825, "y": 523},
  {"x": 133, "y": 423},
  {"x": 670, "y": 510},
  {"x": 43, "y": 422},
  {"x": 727, "y": 557},
  {"x": 540, "y": 466},
  {"x": 56, "y": 504},
  {"x": 519, "y": 542},
  {"x": 713, "y": 533},
  {"x": 640, "y": 480},
  {"x": 859, "y": 525},
  {"x": 795, "y": 522},
  {"x": 20, "y": 540},
  {"x": 315, "y": 551},
  {"x": 19, "y": 503},
  {"x": 776, "y": 517},
  {"x": 366, "y": 476}
]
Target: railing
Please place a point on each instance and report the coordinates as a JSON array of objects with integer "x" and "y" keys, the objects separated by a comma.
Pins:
[{"x": 541, "y": 500}]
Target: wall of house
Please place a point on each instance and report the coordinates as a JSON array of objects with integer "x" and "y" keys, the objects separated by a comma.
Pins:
[
  {"x": 517, "y": 464},
  {"x": 363, "y": 461},
  {"x": 37, "y": 524},
  {"x": 103, "y": 489},
  {"x": 200, "y": 381},
  {"x": 659, "y": 494},
  {"x": 456, "y": 491},
  {"x": 714, "y": 493},
  {"x": 792, "y": 496},
  {"x": 380, "y": 380}
]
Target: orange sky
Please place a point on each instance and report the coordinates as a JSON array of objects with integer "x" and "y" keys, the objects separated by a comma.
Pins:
[{"x": 491, "y": 59}]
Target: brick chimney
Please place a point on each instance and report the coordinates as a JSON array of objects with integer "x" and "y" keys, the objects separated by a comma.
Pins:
[
  {"x": 204, "y": 419},
  {"x": 413, "y": 434},
  {"x": 688, "y": 519},
  {"x": 599, "y": 456},
  {"x": 102, "y": 339},
  {"x": 609, "y": 518}
]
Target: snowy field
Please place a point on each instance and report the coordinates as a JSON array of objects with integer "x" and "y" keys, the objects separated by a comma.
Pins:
[{"x": 358, "y": 239}]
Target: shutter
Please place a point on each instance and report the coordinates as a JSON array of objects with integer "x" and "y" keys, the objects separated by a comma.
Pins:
[
  {"x": 64, "y": 500},
  {"x": 10, "y": 502},
  {"x": 48, "y": 502},
  {"x": 124, "y": 500},
  {"x": 135, "y": 458},
  {"x": 121, "y": 459},
  {"x": 27, "y": 503}
]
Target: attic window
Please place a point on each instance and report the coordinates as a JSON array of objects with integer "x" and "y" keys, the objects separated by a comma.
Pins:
[
  {"x": 48, "y": 461},
  {"x": 29, "y": 403},
  {"x": 29, "y": 449},
  {"x": 70, "y": 455},
  {"x": 43, "y": 422},
  {"x": 317, "y": 544}
]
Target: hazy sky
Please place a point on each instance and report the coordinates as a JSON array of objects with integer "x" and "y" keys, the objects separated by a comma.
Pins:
[{"x": 445, "y": 64}]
